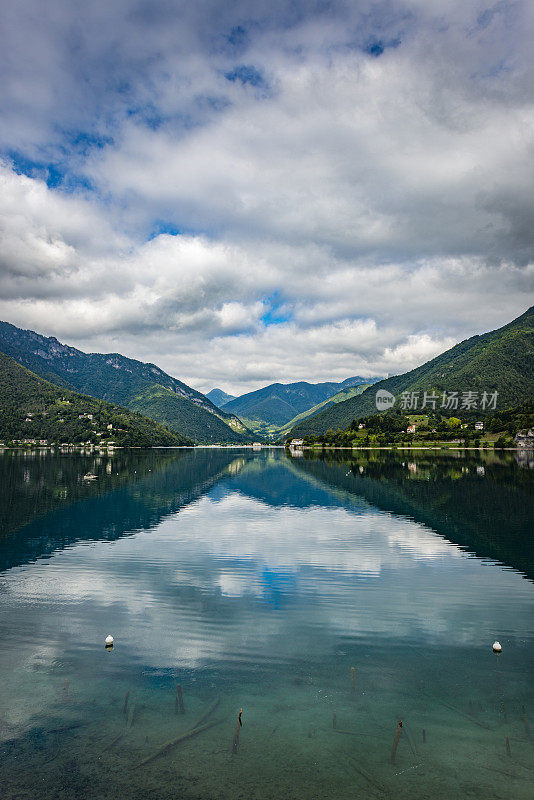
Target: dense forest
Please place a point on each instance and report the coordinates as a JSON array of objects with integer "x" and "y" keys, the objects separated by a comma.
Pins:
[
  {"x": 132, "y": 384},
  {"x": 394, "y": 427},
  {"x": 279, "y": 403},
  {"x": 34, "y": 411}
]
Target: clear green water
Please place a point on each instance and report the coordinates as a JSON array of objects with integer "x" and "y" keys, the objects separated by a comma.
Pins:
[{"x": 259, "y": 581}]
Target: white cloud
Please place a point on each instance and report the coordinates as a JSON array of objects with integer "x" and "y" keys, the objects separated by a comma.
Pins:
[{"x": 378, "y": 208}]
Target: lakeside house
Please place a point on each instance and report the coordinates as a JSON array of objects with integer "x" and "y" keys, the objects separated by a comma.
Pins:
[
  {"x": 525, "y": 439},
  {"x": 479, "y": 426},
  {"x": 296, "y": 443},
  {"x": 410, "y": 429}
]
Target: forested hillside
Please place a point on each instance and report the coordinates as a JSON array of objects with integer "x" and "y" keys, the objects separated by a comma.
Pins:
[
  {"x": 219, "y": 398},
  {"x": 35, "y": 410},
  {"x": 499, "y": 361},
  {"x": 136, "y": 385},
  {"x": 279, "y": 403}
]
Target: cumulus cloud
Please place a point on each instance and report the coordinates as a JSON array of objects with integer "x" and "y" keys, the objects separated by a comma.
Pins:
[{"x": 269, "y": 191}]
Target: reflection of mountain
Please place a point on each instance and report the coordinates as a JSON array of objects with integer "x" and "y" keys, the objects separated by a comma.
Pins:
[
  {"x": 490, "y": 515},
  {"x": 140, "y": 489},
  {"x": 275, "y": 482},
  {"x": 489, "y": 512},
  {"x": 32, "y": 485}
]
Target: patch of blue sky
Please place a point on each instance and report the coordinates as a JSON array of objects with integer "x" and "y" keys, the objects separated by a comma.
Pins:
[
  {"x": 166, "y": 228},
  {"x": 277, "y": 311},
  {"x": 56, "y": 175},
  {"x": 376, "y": 47},
  {"x": 55, "y": 167},
  {"x": 237, "y": 37},
  {"x": 82, "y": 143},
  {"x": 486, "y": 17},
  {"x": 148, "y": 116},
  {"x": 39, "y": 170},
  {"x": 277, "y": 585},
  {"x": 247, "y": 73},
  {"x": 215, "y": 103}
]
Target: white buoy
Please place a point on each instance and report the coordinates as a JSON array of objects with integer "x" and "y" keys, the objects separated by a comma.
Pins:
[
  {"x": 109, "y": 640},
  {"x": 497, "y": 647}
]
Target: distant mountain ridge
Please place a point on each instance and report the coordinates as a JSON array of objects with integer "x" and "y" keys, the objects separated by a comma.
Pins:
[
  {"x": 32, "y": 410},
  {"x": 136, "y": 385},
  {"x": 498, "y": 361},
  {"x": 279, "y": 403},
  {"x": 219, "y": 398},
  {"x": 339, "y": 397}
]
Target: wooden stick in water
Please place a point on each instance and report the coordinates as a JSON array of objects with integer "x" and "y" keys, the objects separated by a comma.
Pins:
[
  {"x": 398, "y": 733},
  {"x": 352, "y": 680},
  {"x": 368, "y": 777},
  {"x": 525, "y": 720},
  {"x": 179, "y": 700},
  {"x": 131, "y": 713},
  {"x": 508, "y": 751},
  {"x": 169, "y": 745},
  {"x": 69, "y": 727},
  {"x": 424, "y": 736},
  {"x": 406, "y": 732},
  {"x": 334, "y": 721},
  {"x": 208, "y": 713},
  {"x": 355, "y": 733},
  {"x": 129, "y": 722},
  {"x": 458, "y": 711},
  {"x": 114, "y": 741},
  {"x": 238, "y": 726}
]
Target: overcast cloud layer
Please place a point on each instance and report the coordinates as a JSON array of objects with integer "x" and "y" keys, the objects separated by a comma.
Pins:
[{"x": 267, "y": 191}]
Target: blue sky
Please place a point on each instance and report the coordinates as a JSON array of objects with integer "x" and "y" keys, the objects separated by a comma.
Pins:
[{"x": 255, "y": 192}]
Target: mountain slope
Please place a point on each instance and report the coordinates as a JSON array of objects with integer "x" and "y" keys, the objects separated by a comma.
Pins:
[
  {"x": 32, "y": 408},
  {"x": 125, "y": 381},
  {"x": 219, "y": 398},
  {"x": 500, "y": 360},
  {"x": 164, "y": 405},
  {"x": 340, "y": 397},
  {"x": 278, "y": 403}
]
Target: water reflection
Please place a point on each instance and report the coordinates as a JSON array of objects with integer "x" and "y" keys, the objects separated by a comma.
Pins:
[{"x": 256, "y": 576}]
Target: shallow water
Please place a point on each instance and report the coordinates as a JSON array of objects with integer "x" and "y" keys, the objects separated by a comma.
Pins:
[{"x": 259, "y": 581}]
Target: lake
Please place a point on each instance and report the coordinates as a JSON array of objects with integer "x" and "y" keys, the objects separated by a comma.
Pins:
[{"x": 328, "y": 599}]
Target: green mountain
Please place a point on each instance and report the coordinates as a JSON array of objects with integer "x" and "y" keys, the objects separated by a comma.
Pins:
[
  {"x": 219, "y": 398},
  {"x": 35, "y": 410},
  {"x": 344, "y": 394},
  {"x": 138, "y": 386},
  {"x": 279, "y": 403},
  {"x": 499, "y": 361}
]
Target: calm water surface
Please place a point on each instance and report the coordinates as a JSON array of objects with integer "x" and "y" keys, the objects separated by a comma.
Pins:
[{"x": 326, "y": 598}]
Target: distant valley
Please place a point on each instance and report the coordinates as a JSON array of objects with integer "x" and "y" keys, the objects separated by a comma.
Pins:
[
  {"x": 155, "y": 407},
  {"x": 274, "y": 409}
]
